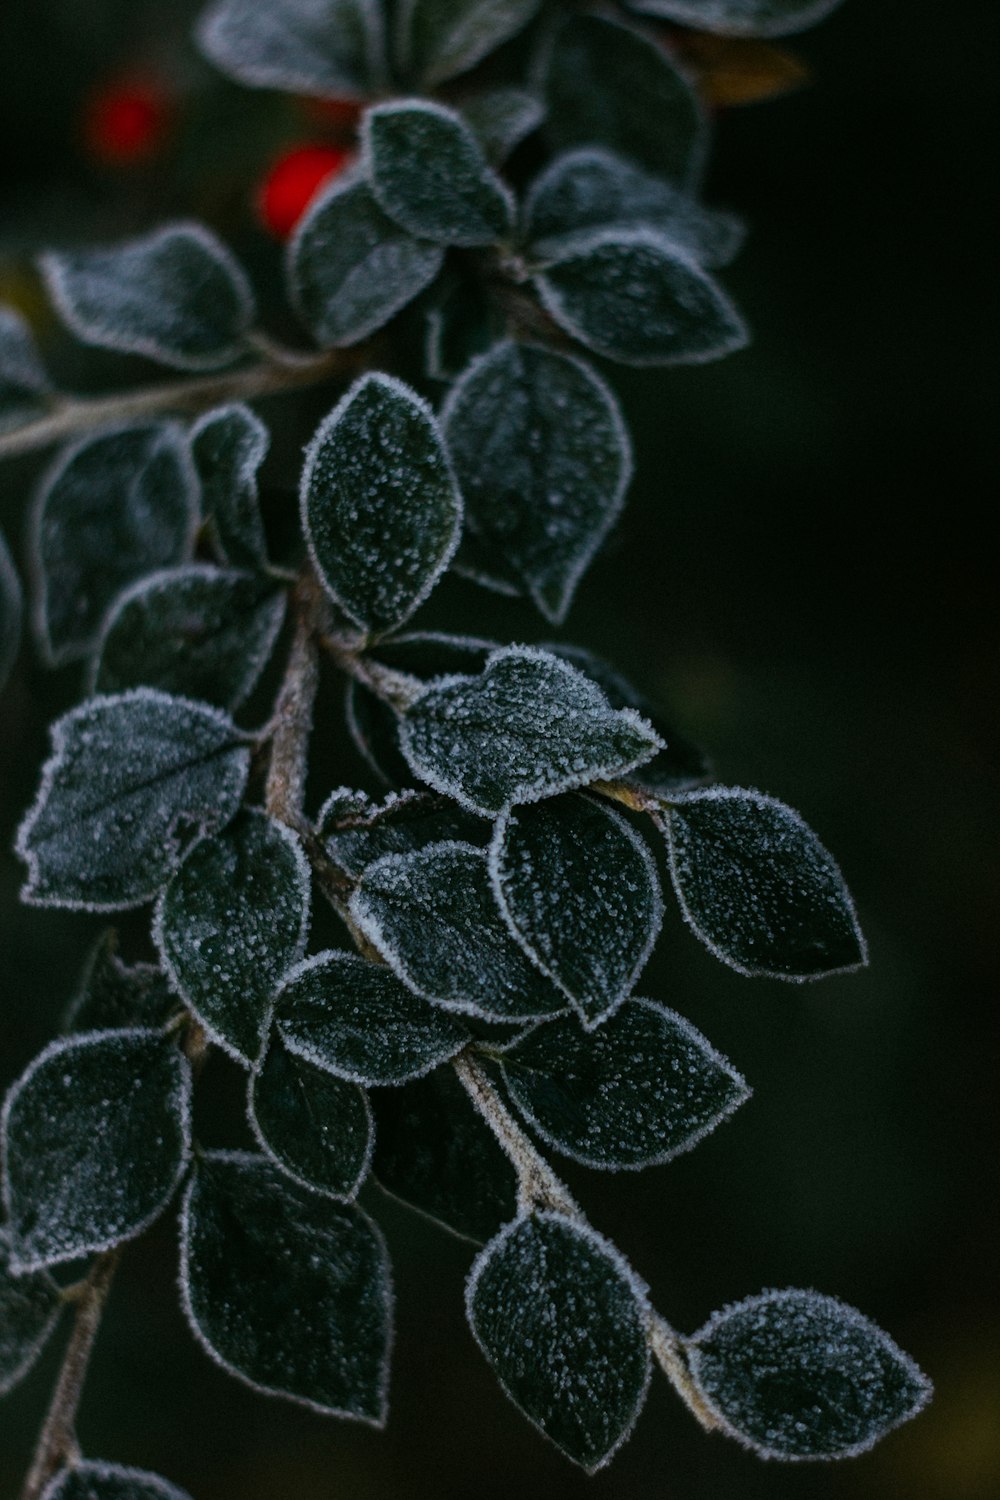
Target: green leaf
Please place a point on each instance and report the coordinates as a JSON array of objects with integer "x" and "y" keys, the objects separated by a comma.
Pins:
[
  {"x": 357, "y": 1020},
  {"x": 316, "y": 1128},
  {"x": 109, "y": 510},
  {"x": 116, "y": 994},
  {"x": 528, "y": 727},
  {"x": 579, "y": 891},
  {"x": 358, "y": 831},
  {"x": 635, "y": 1093},
  {"x": 11, "y": 612},
  {"x": 439, "y": 38},
  {"x": 95, "y": 1137},
  {"x": 433, "y": 918},
  {"x": 177, "y": 296},
  {"x": 740, "y": 17},
  {"x": 501, "y": 119},
  {"x": 228, "y": 445},
  {"x": 563, "y": 1319},
  {"x": 430, "y": 174},
  {"x": 25, "y": 388},
  {"x": 758, "y": 888},
  {"x": 380, "y": 506},
  {"x": 794, "y": 1375},
  {"x": 29, "y": 1310},
  {"x": 638, "y": 298},
  {"x": 351, "y": 268},
  {"x": 543, "y": 459},
  {"x": 231, "y": 924},
  {"x": 288, "y": 1291},
  {"x": 89, "y": 1480},
  {"x": 200, "y": 631},
  {"x": 131, "y": 782},
  {"x": 330, "y": 48},
  {"x": 609, "y": 85},
  {"x": 434, "y": 1152}
]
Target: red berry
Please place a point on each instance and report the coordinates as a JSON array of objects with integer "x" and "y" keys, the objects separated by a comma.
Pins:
[
  {"x": 293, "y": 182},
  {"x": 126, "y": 121}
]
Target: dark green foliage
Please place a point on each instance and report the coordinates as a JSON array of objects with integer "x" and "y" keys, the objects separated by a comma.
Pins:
[
  {"x": 740, "y": 17},
  {"x": 25, "y": 387},
  {"x": 325, "y": 47},
  {"x": 113, "y": 993},
  {"x": 228, "y": 446},
  {"x": 360, "y": 831},
  {"x": 315, "y": 1127},
  {"x": 88, "y": 1480},
  {"x": 11, "y": 612},
  {"x": 29, "y": 1308},
  {"x": 501, "y": 119},
  {"x": 438, "y": 38}
]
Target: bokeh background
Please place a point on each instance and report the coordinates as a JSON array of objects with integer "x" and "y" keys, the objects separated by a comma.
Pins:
[{"x": 803, "y": 579}]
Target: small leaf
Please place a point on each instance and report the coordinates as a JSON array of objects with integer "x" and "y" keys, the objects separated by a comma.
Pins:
[
  {"x": 501, "y": 119},
  {"x": 131, "y": 781},
  {"x": 543, "y": 459},
  {"x": 758, "y": 888},
  {"x": 609, "y": 85},
  {"x": 429, "y": 173},
  {"x": 434, "y": 1152},
  {"x": 116, "y": 994},
  {"x": 315, "y": 1127},
  {"x": 288, "y": 1291},
  {"x": 177, "y": 296},
  {"x": 795, "y": 1375},
  {"x": 11, "y": 612},
  {"x": 634, "y": 1093},
  {"x": 25, "y": 387},
  {"x": 330, "y": 48},
  {"x": 231, "y": 924},
  {"x": 740, "y": 17},
  {"x": 433, "y": 918},
  {"x": 351, "y": 268},
  {"x": 439, "y": 38},
  {"x": 228, "y": 445},
  {"x": 638, "y": 298},
  {"x": 563, "y": 1320},
  {"x": 357, "y": 831},
  {"x": 579, "y": 891},
  {"x": 380, "y": 506},
  {"x": 529, "y": 726},
  {"x": 29, "y": 1310},
  {"x": 89, "y": 1480},
  {"x": 108, "y": 510},
  {"x": 357, "y": 1020},
  {"x": 95, "y": 1139}
]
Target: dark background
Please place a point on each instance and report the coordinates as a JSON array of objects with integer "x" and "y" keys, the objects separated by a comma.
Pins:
[{"x": 802, "y": 576}]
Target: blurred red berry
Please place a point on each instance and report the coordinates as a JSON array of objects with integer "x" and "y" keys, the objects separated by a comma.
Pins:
[
  {"x": 293, "y": 182},
  {"x": 126, "y": 121}
]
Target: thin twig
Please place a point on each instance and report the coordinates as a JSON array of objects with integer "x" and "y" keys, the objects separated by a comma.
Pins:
[
  {"x": 668, "y": 1348},
  {"x": 397, "y": 689}
]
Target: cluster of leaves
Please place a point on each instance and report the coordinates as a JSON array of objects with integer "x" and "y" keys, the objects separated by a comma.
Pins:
[{"x": 500, "y": 895}]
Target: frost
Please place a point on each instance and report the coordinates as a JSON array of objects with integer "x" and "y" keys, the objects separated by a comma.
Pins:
[
  {"x": 579, "y": 891},
  {"x": 177, "y": 296},
  {"x": 131, "y": 782},
  {"x": 231, "y": 924},
  {"x": 315, "y": 1127},
  {"x": 740, "y": 17},
  {"x": 563, "y": 1319},
  {"x": 90, "y": 1480},
  {"x": 528, "y": 727},
  {"x": 29, "y": 1310},
  {"x": 228, "y": 446},
  {"x": 430, "y": 174},
  {"x": 333, "y": 48},
  {"x": 358, "y": 832},
  {"x": 794, "y": 1375},
  {"x": 109, "y": 510},
  {"x": 288, "y": 1291},
  {"x": 95, "y": 1137},
  {"x": 359, "y": 1021},
  {"x": 758, "y": 888},
  {"x": 380, "y": 505},
  {"x": 544, "y": 459},
  {"x": 439, "y": 38},
  {"x": 501, "y": 119},
  {"x": 11, "y": 612},
  {"x": 113, "y": 993},
  {"x": 24, "y": 384}
]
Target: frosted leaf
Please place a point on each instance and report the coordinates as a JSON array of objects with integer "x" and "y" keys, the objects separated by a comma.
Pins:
[
  {"x": 358, "y": 1020},
  {"x": 29, "y": 1310},
  {"x": 591, "y": 188},
  {"x": 758, "y": 888},
  {"x": 114, "y": 994},
  {"x": 430, "y": 174},
  {"x": 24, "y": 384},
  {"x": 109, "y": 510},
  {"x": 501, "y": 119},
  {"x": 315, "y": 1127},
  {"x": 563, "y": 1319},
  {"x": 95, "y": 1138},
  {"x": 200, "y": 631},
  {"x": 543, "y": 459},
  {"x": 638, "y": 298},
  {"x": 358, "y": 832},
  {"x": 529, "y": 726},
  {"x": 433, "y": 918},
  {"x": 131, "y": 782},
  {"x": 231, "y": 924},
  {"x": 380, "y": 505},
  {"x": 228, "y": 445},
  {"x": 579, "y": 890},
  {"x": 461, "y": 321},
  {"x": 434, "y": 1152},
  {"x": 794, "y": 1375},
  {"x": 439, "y": 38},
  {"x": 11, "y": 612},
  {"x": 90, "y": 1480},
  {"x": 740, "y": 17},
  {"x": 351, "y": 268},
  {"x": 288, "y": 1291},
  {"x": 177, "y": 296},
  {"x": 330, "y": 48},
  {"x": 609, "y": 85},
  {"x": 636, "y": 1092}
]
